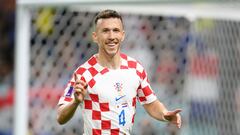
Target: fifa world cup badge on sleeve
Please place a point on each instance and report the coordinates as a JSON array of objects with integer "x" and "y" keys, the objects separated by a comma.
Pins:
[{"x": 70, "y": 91}]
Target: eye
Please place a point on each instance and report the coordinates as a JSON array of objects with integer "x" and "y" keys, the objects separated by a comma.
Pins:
[
  {"x": 105, "y": 30},
  {"x": 116, "y": 30}
]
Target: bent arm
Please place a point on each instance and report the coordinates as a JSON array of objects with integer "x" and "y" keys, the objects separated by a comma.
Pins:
[
  {"x": 156, "y": 110},
  {"x": 66, "y": 111}
]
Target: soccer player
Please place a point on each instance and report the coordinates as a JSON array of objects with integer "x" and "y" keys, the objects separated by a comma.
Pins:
[{"x": 108, "y": 85}]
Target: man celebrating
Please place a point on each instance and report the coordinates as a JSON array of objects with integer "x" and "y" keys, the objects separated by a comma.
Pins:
[{"x": 107, "y": 86}]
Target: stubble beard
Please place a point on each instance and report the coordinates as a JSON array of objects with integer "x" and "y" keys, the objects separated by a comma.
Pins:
[{"x": 111, "y": 52}]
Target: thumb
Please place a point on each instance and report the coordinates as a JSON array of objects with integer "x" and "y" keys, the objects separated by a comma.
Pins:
[{"x": 170, "y": 113}]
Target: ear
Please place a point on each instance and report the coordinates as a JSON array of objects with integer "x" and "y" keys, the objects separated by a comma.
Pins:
[
  {"x": 123, "y": 37},
  {"x": 94, "y": 37}
]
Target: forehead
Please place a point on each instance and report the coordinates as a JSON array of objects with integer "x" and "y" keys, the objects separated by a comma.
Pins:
[{"x": 109, "y": 23}]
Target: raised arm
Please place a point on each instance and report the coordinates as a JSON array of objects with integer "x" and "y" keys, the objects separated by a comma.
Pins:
[
  {"x": 66, "y": 111},
  {"x": 158, "y": 111}
]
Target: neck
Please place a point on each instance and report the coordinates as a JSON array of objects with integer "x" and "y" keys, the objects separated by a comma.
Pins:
[{"x": 111, "y": 62}]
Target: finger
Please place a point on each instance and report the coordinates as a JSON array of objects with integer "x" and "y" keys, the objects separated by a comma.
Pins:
[
  {"x": 179, "y": 125},
  {"x": 80, "y": 87},
  {"x": 77, "y": 89},
  {"x": 177, "y": 111},
  {"x": 84, "y": 84},
  {"x": 79, "y": 81},
  {"x": 79, "y": 96},
  {"x": 81, "y": 84},
  {"x": 174, "y": 112},
  {"x": 179, "y": 121},
  {"x": 75, "y": 77},
  {"x": 77, "y": 93}
]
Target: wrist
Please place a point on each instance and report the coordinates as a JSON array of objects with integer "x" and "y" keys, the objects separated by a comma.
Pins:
[
  {"x": 164, "y": 119},
  {"x": 76, "y": 102},
  {"x": 163, "y": 116}
]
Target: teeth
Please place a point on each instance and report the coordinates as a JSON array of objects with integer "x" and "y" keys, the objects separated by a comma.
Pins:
[{"x": 111, "y": 44}]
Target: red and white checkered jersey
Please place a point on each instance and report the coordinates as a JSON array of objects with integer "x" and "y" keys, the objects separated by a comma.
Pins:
[{"x": 110, "y": 105}]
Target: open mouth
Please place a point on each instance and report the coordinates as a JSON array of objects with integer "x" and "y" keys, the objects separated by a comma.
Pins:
[{"x": 111, "y": 45}]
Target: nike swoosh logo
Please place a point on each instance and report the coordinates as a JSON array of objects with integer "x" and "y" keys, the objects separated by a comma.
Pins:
[{"x": 119, "y": 98}]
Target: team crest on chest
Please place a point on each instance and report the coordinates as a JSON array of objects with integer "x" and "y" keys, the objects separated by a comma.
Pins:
[{"x": 118, "y": 86}]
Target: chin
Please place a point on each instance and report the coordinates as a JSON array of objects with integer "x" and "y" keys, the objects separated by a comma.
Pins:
[{"x": 112, "y": 52}]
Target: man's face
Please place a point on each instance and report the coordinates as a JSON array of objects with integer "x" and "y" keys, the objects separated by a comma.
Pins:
[{"x": 108, "y": 35}]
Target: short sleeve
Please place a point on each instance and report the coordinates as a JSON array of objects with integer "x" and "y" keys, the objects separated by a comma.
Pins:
[
  {"x": 69, "y": 90},
  {"x": 145, "y": 93}
]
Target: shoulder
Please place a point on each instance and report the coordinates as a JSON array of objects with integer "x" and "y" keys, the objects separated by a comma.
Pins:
[
  {"x": 131, "y": 62},
  {"x": 86, "y": 65}
]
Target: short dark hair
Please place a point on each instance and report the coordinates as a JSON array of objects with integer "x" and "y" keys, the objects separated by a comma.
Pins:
[{"x": 108, "y": 13}]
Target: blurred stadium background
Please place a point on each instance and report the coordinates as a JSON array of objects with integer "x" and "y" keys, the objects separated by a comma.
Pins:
[{"x": 192, "y": 58}]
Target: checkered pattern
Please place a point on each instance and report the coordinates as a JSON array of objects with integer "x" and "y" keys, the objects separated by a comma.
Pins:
[
  {"x": 145, "y": 93},
  {"x": 102, "y": 105}
]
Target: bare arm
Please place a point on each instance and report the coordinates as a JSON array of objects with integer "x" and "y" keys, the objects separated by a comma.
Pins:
[
  {"x": 158, "y": 111},
  {"x": 66, "y": 111}
]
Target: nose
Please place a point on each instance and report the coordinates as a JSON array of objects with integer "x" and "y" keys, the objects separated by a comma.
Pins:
[{"x": 111, "y": 35}]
